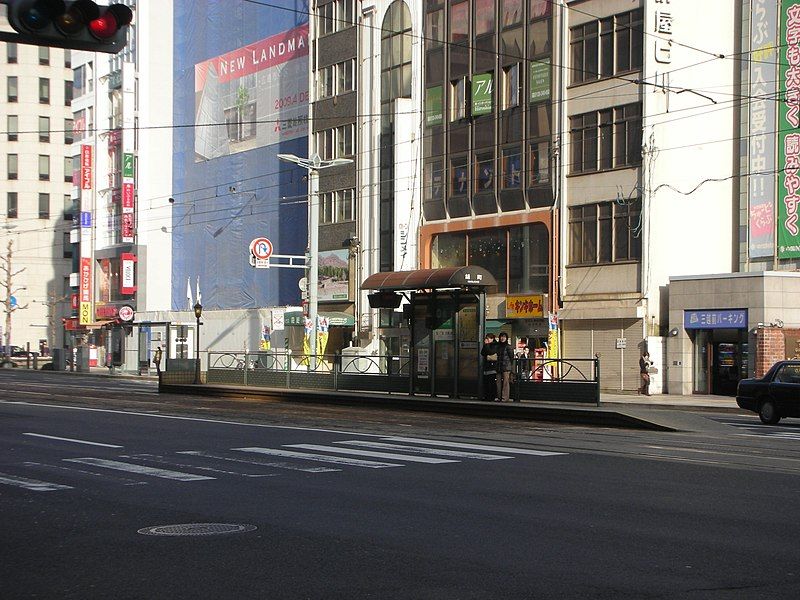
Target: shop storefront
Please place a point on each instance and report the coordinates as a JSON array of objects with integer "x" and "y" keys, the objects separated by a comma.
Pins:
[{"x": 720, "y": 349}]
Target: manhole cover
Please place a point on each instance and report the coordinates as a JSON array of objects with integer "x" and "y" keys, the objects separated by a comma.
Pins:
[{"x": 197, "y": 529}]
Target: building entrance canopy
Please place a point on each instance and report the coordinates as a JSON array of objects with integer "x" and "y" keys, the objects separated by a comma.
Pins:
[{"x": 431, "y": 279}]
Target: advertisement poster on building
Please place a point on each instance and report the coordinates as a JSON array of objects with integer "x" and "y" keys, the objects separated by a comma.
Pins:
[
  {"x": 789, "y": 138},
  {"x": 334, "y": 276},
  {"x": 260, "y": 91}
]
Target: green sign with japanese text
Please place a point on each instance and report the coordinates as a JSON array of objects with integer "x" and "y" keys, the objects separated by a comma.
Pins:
[
  {"x": 788, "y": 135},
  {"x": 433, "y": 106},
  {"x": 482, "y": 89},
  {"x": 127, "y": 165},
  {"x": 540, "y": 80}
]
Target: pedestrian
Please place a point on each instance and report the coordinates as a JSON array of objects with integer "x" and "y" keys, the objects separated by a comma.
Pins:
[
  {"x": 489, "y": 354},
  {"x": 644, "y": 373},
  {"x": 525, "y": 363},
  {"x": 157, "y": 359},
  {"x": 505, "y": 365}
]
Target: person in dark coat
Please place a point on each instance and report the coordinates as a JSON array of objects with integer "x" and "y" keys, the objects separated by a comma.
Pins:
[
  {"x": 644, "y": 373},
  {"x": 489, "y": 354},
  {"x": 505, "y": 364}
]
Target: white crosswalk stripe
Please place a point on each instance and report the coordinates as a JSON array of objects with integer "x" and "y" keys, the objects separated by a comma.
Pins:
[
  {"x": 261, "y": 463},
  {"x": 33, "y": 485},
  {"x": 503, "y": 449},
  {"x": 336, "y": 460},
  {"x": 138, "y": 469},
  {"x": 419, "y": 450},
  {"x": 371, "y": 454}
]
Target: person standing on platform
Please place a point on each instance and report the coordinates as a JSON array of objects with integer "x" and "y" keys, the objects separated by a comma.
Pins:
[
  {"x": 505, "y": 365},
  {"x": 489, "y": 354}
]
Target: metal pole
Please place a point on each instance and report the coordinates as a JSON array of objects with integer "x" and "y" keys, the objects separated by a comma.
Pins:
[
  {"x": 197, "y": 353},
  {"x": 313, "y": 268}
]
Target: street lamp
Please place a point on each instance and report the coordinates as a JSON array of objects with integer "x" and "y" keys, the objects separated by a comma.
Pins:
[
  {"x": 313, "y": 165},
  {"x": 198, "y": 312}
]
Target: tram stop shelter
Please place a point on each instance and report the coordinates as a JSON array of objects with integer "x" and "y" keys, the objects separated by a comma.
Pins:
[{"x": 446, "y": 318}]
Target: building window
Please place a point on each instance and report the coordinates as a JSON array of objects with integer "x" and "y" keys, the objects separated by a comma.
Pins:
[
  {"x": 345, "y": 76},
  {"x": 604, "y": 233},
  {"x": 607, "y": 46},
  {"x": 396, "y": 43},
  {"x": 344, "y": 205},
  {"x": 67, "y": 246},
  {"x": 11, "y": 205},
  {"x": 325, "y": 143},
  {"x": 337, "y": 207},
  {"x": 325, "y": 81},
  {"x": 628, "y": 33},
  {"x": 325, "y": 19},
  {"x": 11, "y": 53},
  {"x": 44, "y": 167},
  {"x": 540, "y": 162},
  {"x": 44, "y": 129},
  {"x": 44, "y": 90},
  {"x": 12, "y": 128},
  {"x": 68, "y": 169},
  {"x": 434, "y": 29},
  {"x": 458, "y": 99},
  {"x": 512, "y": 168},
  {"x": 344, "y": 9},
  {"x": 484, "y": 17},
  {"x": 512, "y": 12},
  {"x": 11, "y": 88},
  {"x": 69, "y": 207},
  {"x": 459, "y": 22},
  {"x": 459, "y": 176},
  {"x": 68, "y": 93},
  {"x": 344, "y": 141},
  {"x": 44, "y": 206},
  {"x": 606, "y": 139},
  {"x": 68, "y": 125},
  {"x": 44, "y": 55},
  {"x": 12, "y": 166},
  {"x": 484, "y": 172},
  {"x": 488, "y": 249},
  {"x": 68, "y": 58},
  {"x": 511, "y": 86}
]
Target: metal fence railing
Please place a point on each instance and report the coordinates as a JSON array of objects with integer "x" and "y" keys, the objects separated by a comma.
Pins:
[{"x": 557, "y": 379}]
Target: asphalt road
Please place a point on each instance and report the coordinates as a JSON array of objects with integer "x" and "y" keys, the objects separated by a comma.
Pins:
[{"x": 359, "y": 503}]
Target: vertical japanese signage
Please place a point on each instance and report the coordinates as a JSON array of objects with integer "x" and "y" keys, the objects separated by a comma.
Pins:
[
  {"x": 763, "y": 110},
  {"x": 482, "y": 88},
  {"x": 663, "y": 27},
  {"x": 86, "y": 167},
  {"x": 789, "y": 132},
  {"x": 85, "y": 309},
  {"x": 128, "y": 220}
]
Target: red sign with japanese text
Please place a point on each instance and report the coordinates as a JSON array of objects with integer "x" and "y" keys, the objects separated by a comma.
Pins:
[
  {"x": 127, "y": 228},
  {"x": 127, "y": 198},
  {"x": 86, "y": 279},
  {"x": 86, "y": 167}
]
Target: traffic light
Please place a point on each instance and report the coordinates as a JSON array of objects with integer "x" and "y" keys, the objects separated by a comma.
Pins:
[{"x": 74, "y": 24}]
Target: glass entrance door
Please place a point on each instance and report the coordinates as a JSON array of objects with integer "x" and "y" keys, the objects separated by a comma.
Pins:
[{"x": 701, "y": 379}]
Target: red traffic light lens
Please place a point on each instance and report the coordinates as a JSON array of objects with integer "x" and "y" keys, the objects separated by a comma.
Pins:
[{"x": 104, "y": 27}]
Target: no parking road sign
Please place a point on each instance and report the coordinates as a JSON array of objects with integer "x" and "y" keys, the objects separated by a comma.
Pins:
[{"x": 260, "y": 251}]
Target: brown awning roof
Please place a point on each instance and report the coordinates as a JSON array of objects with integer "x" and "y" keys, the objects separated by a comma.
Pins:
[{"x": 430, "y": 279}]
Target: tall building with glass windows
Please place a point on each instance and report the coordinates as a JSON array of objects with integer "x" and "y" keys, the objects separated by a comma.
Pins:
[
  {"x": 35, "y": 177},
  {"x": 584, "y": 153}
]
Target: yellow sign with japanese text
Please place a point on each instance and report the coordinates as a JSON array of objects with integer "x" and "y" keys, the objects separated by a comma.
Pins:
[{"x": 524, "y": 307}]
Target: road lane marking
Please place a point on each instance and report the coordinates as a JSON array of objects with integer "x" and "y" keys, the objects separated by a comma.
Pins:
[
  {"x": 153, "y": 458},
  {"x": 337, "y": 460},
  {"x": 370, "y": 454},
  {"x": 72, "y": 470},
  {"x": 504, "y": 449},
  {"x": 63, "y": 439},
  {"x": 261, "y": 463},
  {"x": 138, "y": 469},
  {"x": 33, "y": 485},
  {"x": 419, "y": 450}
]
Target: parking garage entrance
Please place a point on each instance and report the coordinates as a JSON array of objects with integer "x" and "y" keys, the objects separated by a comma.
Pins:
[{"x": 445, "y": 313}]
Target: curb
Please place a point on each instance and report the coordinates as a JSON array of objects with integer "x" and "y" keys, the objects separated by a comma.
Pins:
[{"x": 597, "y": 416}]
